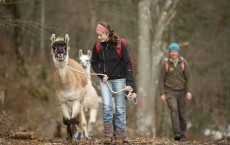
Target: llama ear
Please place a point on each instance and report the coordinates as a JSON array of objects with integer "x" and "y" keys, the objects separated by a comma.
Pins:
[
  {"x": 66, "y": 38},
  {"x": 89, "y": 53},
  {"x": 52, "y": 38},
  {"x": 80, "y": 53}
]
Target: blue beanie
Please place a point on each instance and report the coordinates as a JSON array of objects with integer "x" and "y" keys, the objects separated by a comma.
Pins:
[{"x": 174, "y": 46}]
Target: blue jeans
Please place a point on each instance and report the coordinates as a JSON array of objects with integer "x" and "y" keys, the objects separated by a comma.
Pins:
[{"x": 107, "y": 102}]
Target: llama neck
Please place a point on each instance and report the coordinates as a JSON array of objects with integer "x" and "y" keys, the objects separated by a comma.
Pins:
[
  {"x": 61, "y": 67},
  {"x": 63, "y": 73},
  {"x": 87, "y": 69}
]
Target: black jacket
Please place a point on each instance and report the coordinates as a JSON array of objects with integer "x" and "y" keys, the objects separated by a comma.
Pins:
[{"x": 108, "y": 62}]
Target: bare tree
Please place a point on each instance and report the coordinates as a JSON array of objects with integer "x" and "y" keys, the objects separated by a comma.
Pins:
[
  {"x": 18, "y": 40},
  {"x": 148, "y": 88},
  {"x": 144, "y": 72},
  {"x": 2, "y": 100},
  {"x": 42, "y": 42}
]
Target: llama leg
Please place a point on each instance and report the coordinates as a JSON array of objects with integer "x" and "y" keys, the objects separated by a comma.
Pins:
[
  {"x": 76, "y": 119},
  {"x": 78, "y": 133},
  {"x": 66, "y": 117},
  {"x": 76, "y": 108},
  {"x": 84, "y": 122},
  {"x": 65, "y": 111},
  {"x": 92, "y": 120}
]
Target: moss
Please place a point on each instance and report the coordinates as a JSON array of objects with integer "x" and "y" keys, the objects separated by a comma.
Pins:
[
  {"x": 202, "y": 70},
  {"x": 201, "y": 122},
  {"x": 41, "y": 95},
  {"x": 43, "y": 73}
]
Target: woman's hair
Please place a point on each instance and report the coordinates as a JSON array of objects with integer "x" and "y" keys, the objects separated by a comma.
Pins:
[{"x": 113, "y": 37}]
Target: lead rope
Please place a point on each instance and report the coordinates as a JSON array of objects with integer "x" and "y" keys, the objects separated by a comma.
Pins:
[{"x": 129, "y": 95}]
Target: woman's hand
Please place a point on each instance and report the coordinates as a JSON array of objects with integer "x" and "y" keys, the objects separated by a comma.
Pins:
[
  {"x": 134, "y": 95},
  {"x": 105, "y": 78},
  {"x": 128, "y": 88}
]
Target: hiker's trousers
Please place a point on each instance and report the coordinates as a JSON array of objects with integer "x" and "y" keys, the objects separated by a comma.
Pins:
[
  {"x": 176, "y": 103},
  {"x": 107, "y": 102}
]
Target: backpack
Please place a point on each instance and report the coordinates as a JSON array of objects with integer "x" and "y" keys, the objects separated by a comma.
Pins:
[
  {"x": 98, "y": 48},
  {"x": 166, "y": 63}
]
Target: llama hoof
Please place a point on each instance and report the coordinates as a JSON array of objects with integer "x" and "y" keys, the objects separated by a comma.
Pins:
[{"x": 80, "y": 136}]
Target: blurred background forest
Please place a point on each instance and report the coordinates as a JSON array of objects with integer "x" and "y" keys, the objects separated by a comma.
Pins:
[{"x": 201, "y": 27}]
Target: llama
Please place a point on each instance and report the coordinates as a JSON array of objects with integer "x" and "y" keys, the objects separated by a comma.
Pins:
[
  {"x": 70, "y": 86},
  {"x": 90, "y": 103}
]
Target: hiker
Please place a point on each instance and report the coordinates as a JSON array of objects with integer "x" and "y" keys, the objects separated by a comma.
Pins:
[
  {"x": 118, "y": 74},
  {"x": 175, "y": 86}
]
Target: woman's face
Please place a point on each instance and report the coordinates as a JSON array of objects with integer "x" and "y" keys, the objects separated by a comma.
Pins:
[
  {"x": 174, "y": 54},
  {"x": 103, "y": 37}
]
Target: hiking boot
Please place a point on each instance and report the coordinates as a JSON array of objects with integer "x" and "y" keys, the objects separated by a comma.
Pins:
[
  {"x": 126, "y": 141},
  {"x": 118, "y": 141},
  {"x": 107, "y": 140},
  {"x": 177, "y": 137},
  {"x": 108, "y": 129},
  {"x": 182, "y": 137}
]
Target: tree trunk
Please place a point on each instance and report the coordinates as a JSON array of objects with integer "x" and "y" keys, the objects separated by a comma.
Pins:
[
  {"x": 2, "y": 100},
  {"x": 156, "y": 55},
  {"x": 93, "y": 21},
  {"x": 149, "y": 60},
  {"x": 18, "y": 41},
  {"x": 42, "y": 42},
  {"x": 143, "y": 76}
]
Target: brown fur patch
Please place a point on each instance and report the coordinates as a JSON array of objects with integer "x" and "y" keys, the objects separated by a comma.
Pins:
[{"x": 72, "y": 78}]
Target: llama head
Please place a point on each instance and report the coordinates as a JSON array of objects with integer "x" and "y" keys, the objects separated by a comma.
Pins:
[
  {"x": 85, "y": 58},
  {"x": 60, "y": 47}
]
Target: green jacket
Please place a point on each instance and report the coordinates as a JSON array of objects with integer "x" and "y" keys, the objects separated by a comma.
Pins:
[{"x": 175, "y": 78}]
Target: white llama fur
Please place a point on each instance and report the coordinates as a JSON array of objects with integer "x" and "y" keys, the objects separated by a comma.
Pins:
[
  {"x": 70, "y": 86},
  {"x": 91, "y": 98}
]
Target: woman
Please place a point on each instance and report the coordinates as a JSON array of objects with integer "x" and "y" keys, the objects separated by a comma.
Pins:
[{"x": 118, "y": 74}]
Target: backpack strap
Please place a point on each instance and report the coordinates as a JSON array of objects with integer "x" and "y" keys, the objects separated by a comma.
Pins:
[
  {"x": 98, "y": 46},
  {"x": 182, "y": 63},
  {"x": 166, "y": 63},
  {"x": 119, "y": 50},
  {"x": 119, "y": 45}
]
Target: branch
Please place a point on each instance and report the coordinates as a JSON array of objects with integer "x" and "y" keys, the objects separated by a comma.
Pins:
[{"x": 23, "y": 135}]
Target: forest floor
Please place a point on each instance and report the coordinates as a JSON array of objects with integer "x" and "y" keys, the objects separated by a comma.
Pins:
[{"x": 9, "y": 135}]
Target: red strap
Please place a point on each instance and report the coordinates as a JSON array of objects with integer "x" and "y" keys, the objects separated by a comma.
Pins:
[
  {"x": 119, "y": 48},
  {"x": 119, "y": 45},
  {"x": 182, "y": 63},
  {"x": 98, "y": 46},
  {"x": 166, "y": 64}
]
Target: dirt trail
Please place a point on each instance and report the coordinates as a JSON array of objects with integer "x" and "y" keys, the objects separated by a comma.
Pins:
[{"x": 8, "y": 137}]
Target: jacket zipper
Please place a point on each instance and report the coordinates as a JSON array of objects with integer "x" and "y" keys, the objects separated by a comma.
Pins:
[{"x": 104, "y": 58}]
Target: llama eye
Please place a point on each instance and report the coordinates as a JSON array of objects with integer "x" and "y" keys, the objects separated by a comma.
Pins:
[{"x": 54, "y": 48}]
